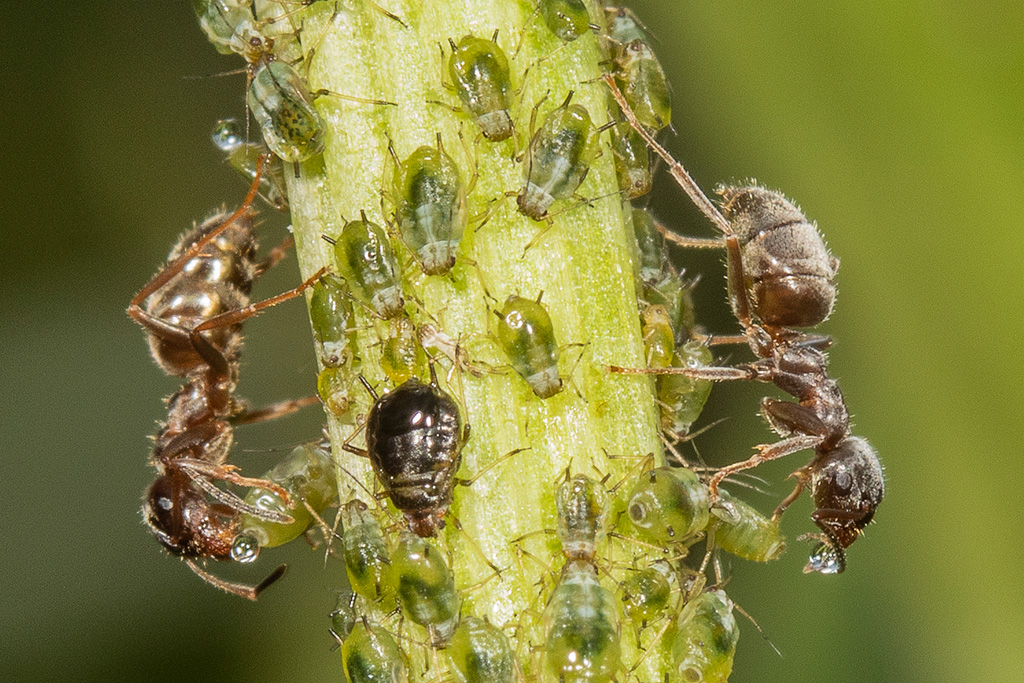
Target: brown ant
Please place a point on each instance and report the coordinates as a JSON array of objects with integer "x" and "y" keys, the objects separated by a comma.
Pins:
[
  {"x": 193, "y": 310},
  {"x": 780, "y": 271}
]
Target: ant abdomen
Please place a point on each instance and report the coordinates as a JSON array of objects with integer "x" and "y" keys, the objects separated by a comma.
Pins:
[{"x": 789, "y": 271}]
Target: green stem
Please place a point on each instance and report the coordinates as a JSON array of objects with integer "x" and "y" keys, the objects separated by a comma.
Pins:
[{"x": 582, "y": 265}]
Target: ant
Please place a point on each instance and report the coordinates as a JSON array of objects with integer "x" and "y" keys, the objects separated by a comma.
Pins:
[
  {"x": 780, "y": 271},
  {"x": 192, "y": 311}
]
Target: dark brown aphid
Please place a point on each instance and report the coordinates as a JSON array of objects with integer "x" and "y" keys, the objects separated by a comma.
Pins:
[
  {"x": 193, "y": 310},
  {"x": 780, "y": 271},
  {"x": 414, "y": 439}
]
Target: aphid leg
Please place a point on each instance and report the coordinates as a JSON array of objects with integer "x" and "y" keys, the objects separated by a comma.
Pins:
[
  {"x": 240, "y": 589},
  {"x": 472, "y": 544},
  {"x": 352, "y": 98},
  {"x": 765, "y": 453},
  {"x": 484, "y": 470}
]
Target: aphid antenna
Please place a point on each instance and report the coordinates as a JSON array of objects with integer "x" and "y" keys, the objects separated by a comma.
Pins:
[
  {"x": 644, "y": 463},
  {"x": 472, "y": 544},
  {"x": 494, "y": 463},
  {"x": 196, "y": 468},
  {"x": 242, "y": 590},
  {"x": 650, "y": 648},
  {"x": 549, "y": 218}
]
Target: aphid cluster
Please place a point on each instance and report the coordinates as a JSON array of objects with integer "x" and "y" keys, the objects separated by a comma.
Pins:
[{"x": 633, "y": 557}]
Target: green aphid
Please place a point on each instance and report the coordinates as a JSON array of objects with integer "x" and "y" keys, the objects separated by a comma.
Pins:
[
  {"x": 527, "y": 337},
  {"x": 582, "y": 506},
  {"x": 283, "y": 107},
  {"x": 632, "y": 161},
  {"x": 343, "y": 616},
  {"x": 330, "y": 310},
  {"x": 682, "y": 398},
  {"x": 650, "y": 248},
  {"x": 367, "y": 561},
  {"x": 567, "y": 19},
  {"x": 623, "y": 26},
  {"x": 365, "y": 259},
  {"x": 668, "y": 505},
  {"x": 479, "y": 70},
  {"x": 244, "y": 158},
  {"x": 638, "y": 72},
  {"x": 659, "y": 337},
  {"x": 371, "y": 655},
  {"x": 581, "y": 628},
  {"x": 430, "y": 207},
  {"x": 705, "y": 639},
  {"x": 228, "y": 24},
  {"x": 558, "y": 159},
  {"x": 646, "y": 593},
  {"x": 480, "y": 653},
  {"x": 307, "y": 474},
  {"x": 334, "y": 386},
  {"x": 425, "y": 587},
  {"x": 745, "y": 532},
  {"x": 402, "y": 356}
]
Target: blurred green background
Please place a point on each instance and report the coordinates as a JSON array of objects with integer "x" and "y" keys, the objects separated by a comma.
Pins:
[{"x": 899, "y": 127}]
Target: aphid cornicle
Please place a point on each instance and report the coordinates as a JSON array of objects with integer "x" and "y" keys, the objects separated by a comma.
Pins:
[
  {"x": 745, "y": 532},
  {"x": 414, "y": 439},
  {"x": 581, "y": 627},
  {"x": 705, "y": 639},
  {"x": 479, "y": 69},
  {"x": 430, "y": 207},
  {"x": 480, "y": 653},
  {"x": 558, "y": 159},
  {"x": 367, "y": 560},
  {"x": 283, "y": 107},
  {"x": 307, "y": 474},
  {"x": 668, "y": 505},
  {"x": 527, "y": 337},
  {"x": 425, "y": 586},
  {"x": 244, "y": 158},
  {"x": 567, "y": 19},
  {"x": 371, "y": 655},
  {"x": 363, "y": 253}
]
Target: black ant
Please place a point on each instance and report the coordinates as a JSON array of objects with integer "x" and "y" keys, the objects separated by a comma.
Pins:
[
  {"x": 193, "y": 310},
  {"x": 780, "y": 271}
]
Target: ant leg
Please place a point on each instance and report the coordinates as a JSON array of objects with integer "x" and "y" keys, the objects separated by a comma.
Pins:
[
  {"x": 233, "y": 503},
  {"x": 786, "y": 417},
  {"x": 764, "y": 454},
  {"x": 240, "y": 589},
  {"x": 803, "y": 477},
  {"x": 275, "y": 255},
  {"x": 208, "y": 471},
  {"x": 273, "y": 411}
]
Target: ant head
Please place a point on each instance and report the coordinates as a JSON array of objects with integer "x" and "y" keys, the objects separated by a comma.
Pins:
[{"x": 185, "y": 522}]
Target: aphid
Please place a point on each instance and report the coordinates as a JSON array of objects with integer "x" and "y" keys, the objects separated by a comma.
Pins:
[
  {"x": 558, "y": 159},
  {"x": 745, "y": 532},
  {"x": 632, "y": 162},
  {"x": 334, "y": 386},
  {"x": 283, "y": 107},
  {"x": 668, "y": 505},
  {"x": 244, "y": 158},
  {"x": 646, "y": 592},
  {"x": 414, "y": 440},
  {"x": 343, "y": 616},
  {"x": 425, "y": 587},
  {"x": 365, "y": 259},
  {"x": 659, "y": 337},
  {"x": 307, "y": 474},
  {"x": 480, "y": 653},
  {"x": 650, "y": 252},
  {"x": 194, "y": 309},
  {"x": 479, "y": 69},
  {"x": 581, "y": 506},
  {"x": 681, "y": 397},
  {"x": 581, "y": 628},
  {"x": 367, "y": 560},
  {"x": 643, "y": 83},
  {"x": 228, "y": 24},
  {"x": 567, "y": 19},
  {"x": 790, "y": 285},
  {"x": 527, "y": 337},
  {"x": 430, "y": 207},
  {"x": 705, "y": 640},
  {"x": 402, "y": 356},
  {"x": 371, "y": 655},
  {"x": 333, "y": 320}
]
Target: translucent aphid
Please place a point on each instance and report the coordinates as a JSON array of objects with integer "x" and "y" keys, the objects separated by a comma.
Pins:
[
  {"x": 307, "y": 474},
  {"x": 228, "y": 24},
  {"x": 479, "y": 69},
  {"x": 343, "y": 616},
  {"x": 334, "y": 386},
  {"x": 367, "y": 560},
  {"x": 425, "y": 587},
  {"x": 668, "y": 505},
  {"x": 283, "y": 107},
  {"x": 705, "y": 640},
  {"x": 581, "y": 628},
  {"x": 632, "y": 161},
  {"x": 740, "y": 529},
  {"x": 659, "y": 337},
  {"x": 567, "y": 19},
  {"x": 527, "y": 337},
  {"x": 371, "y": 655},
  {"x": 480, "y": 653},
  {"x": 330, "y": 310},
  {"x": 650, "y": 247},
  {"x": 682, "y": 398},
  {"x": 582, "y": 506},
  {"x": 430, "y": 207},
  {"x": 637, "y": 70},
  {"x": 365, "y": 259},
  {"x": 244, "y": 158},
  {"x": 402, "y": 356},
  {"x": 646, "y": 592},
  {"x": 558, "y": 159}
]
